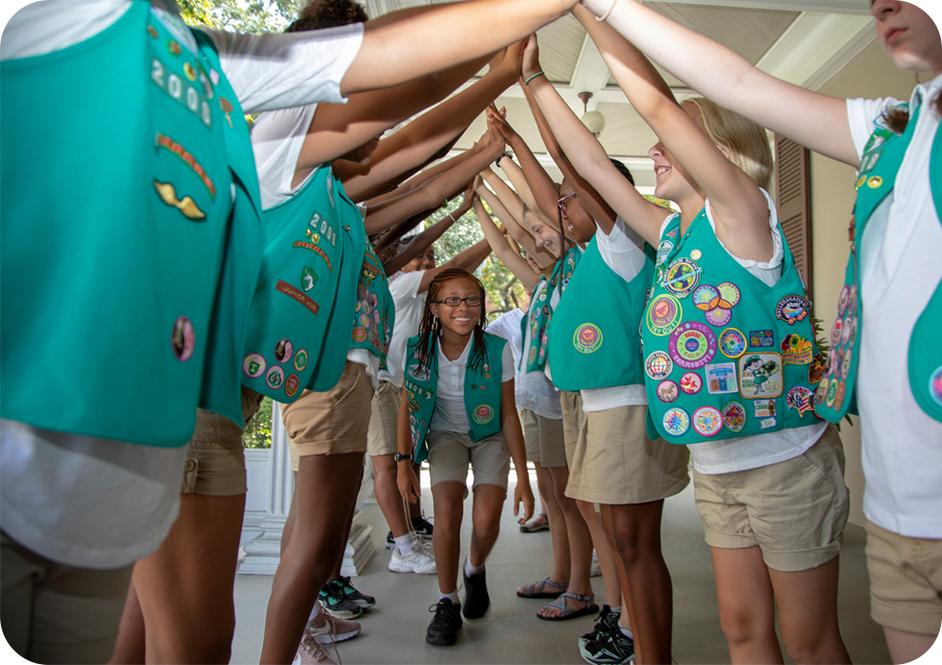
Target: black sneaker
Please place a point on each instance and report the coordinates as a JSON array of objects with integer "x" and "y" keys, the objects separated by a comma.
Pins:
[
  {"x": 613, "y": 648},
  {"x": 606, "y": 621},
  {"x": 351, "y": 593},
  {"x": 336, "y": 604},
  {"x": 476, "y": 599},
  {"x": 422, "y": 527},
  {"x": 443, "y": 631}
]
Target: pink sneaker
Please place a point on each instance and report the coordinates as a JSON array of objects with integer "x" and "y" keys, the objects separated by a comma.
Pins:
[
  {"x": 310, "y": 652},
  {"x": 326, "y": 629}
]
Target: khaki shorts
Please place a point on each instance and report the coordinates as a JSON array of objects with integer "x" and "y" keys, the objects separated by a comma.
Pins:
[
  {"x": 573, "y": 417},
  {"x": 384, "y": 416},
  {"x": 543, "y": 438},
  {"x": 450, "y": 453},
  {"x": 55, "y": 613},
  {"x": 794, "y": 510},
  {"x": 331, "y": 422},
  {"x": 215, "y": 460},
  {"x": 905, "y": 581},
  {"x": 614, "y": 462}
]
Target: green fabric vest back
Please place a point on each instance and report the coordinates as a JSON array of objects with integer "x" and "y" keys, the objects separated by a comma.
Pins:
[
  {"x": 375, "y": 312},
  {"x": 725, "y": 355},
  {"x": 594, "y": 338},
  {"x": 296, "y": 290},
  {"x": 110, "y": 330},
  {"x": 541, "y": 311},
  {"x": 882, "y": 157},
  {"x": 482, "y": 393}
]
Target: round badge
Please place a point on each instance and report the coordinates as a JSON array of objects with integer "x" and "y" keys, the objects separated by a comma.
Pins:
[
  {"x": 587, "y": 338},
  {"x": 183, "y": 339},
  {"x": 664, "y": 314},
  {"x": 847, "y": 334},
  {"x": 832, "y": 392},
  {"x": 705, "y": 296},
  {"x": 696, "y": 254},
  {"x": 707, "y": 421},
  {"x": 663, "y": 250},
  {"x": 483, "y": 414},
  {"x": 691, "y": 383},
  {"x": 291, "y": 385},
  {"x": 729, "y": 295},
  {"x": 300, "y": 360},
  {"x": 734, "y": 416},
  {"x": 875, "y": 182},
  {"x": 275, "y": 377},
  {"x": 189, "y": 71},
  {"x": 658, "y": 365},
  {"x": 821, "y": 392},
  {"x": 359, "y": 334},
  {"x": 254, "y": 365},
  {"x": 819, "y": 366},
  {"x": 799, "y": 398},
  {"x": 837, "y": 331},
  {"x": 845, "y": 366},
  {"x": 935, "y": 385},
  {"x": 152, "y": 31},
  {"x": 732, "y": 343},
  {"x": 283, "y": 350},
  {"x": 174, "y": 48},
  {"x": 839, "y": 396},
  {"x": 692, "y": 345},
  {"x": 792, "y": 309},
  {"x": 676, "y": 421},
  {"x": 719, "y": 317},
  {"x": 842, "y": 300},
  {"x": 667, "y": 391},
  {"x": 681, "y": 277}
]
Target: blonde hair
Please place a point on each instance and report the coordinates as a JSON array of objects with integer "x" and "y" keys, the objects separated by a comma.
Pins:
[{"x": 745, "y": 141}]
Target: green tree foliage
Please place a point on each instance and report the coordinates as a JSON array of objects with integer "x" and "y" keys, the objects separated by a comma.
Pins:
[
  {"x": 257, "y": 433},
  {"x": 240, "y": 15}
]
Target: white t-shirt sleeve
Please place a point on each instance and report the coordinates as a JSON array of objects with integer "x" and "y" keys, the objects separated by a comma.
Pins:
[
  {"x": 622, "y": 250},
  {"x": 405, "y": 286},
  {"x": 280, "y": 70},
  {"x": 507, "y": 364},
  {"x": 861, "y": 115},
  {"x": 277, "y": 138}
]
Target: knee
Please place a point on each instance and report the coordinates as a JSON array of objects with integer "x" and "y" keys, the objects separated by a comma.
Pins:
[
  {"x": 807, "y": 644},
  {"x": 626, "y": 542},
  {"x": 384, "y": 467},
  {"x": 742, "y": 626},
  {"x": 487, "y": 530}
]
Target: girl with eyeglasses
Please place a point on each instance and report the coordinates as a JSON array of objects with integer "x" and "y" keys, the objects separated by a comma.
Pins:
[{"x": 458, "y": 409}]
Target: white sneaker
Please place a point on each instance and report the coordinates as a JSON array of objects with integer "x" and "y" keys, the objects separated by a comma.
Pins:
[{"x": 419, "y": 561}]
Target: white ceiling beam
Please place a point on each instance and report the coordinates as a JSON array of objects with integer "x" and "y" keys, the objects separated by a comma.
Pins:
[
  {"x": 831, "y": 6},
  {"x": 816, "y": 46},
  {"x": 591, "y": 73}
]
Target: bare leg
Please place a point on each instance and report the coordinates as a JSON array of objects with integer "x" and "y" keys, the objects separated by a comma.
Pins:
[
  {"x": 325, "y": 493},
  {"x": 807, "y": 603},
  {"x": 747, "y": 614},
  {"x": 129, "y": 646},
  {"x": 387, "y": 494},
  {"x": 906, "y": 647},
  {"x": 338, "y": 564},
  {"x": 448, "y": 503},
  {"x": 559, "y": 535},
  {"x": 415, "y": 509},
  {"x": 485, "y": 518}
]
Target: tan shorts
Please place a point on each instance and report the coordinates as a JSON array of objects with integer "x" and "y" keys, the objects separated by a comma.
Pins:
[
  {"x": 331, "y": 422},
  {"x": 450, "y": 453},
  {"x": 573, "y": 417},
  {"x": 384, "y": 416},
  {"x": 795, "y": 510},
  {"x": 543, "y": 438},
  {"x": 215, "y": 460},
  {"x": 614, "y": 462},
  {"x": 55, "y": 613},
  {"x": 905, "y": 581}
]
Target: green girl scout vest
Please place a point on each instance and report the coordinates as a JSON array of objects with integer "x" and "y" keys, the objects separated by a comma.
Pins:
[
  {"x": 375, "y": 312},
  {"x": 540, "y": 313},
  {"x": 482, "y": 394},
  {"x": 297, "y": 289},
  {"x": 882, "y": 157},
  {"x": 594, "y": 338},
  {"x": 126, "y": 145},
  {"x": 724, "y": 354}
]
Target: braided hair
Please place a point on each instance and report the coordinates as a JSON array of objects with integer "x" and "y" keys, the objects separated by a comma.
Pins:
[{"x": 430, "y": 330}]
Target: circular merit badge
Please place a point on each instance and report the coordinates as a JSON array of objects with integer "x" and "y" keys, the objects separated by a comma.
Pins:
[
  {"x": 483, "y": 414},
  {"x": 792, "y": 309},
  {"x": 254, "y": 365},
  {"x": 734, "y": 416},
  {"x": 692, "y": 345},
  {"x": 732, "y": 343},
  {"x": 681, "y": 277},
  {"x": 664, "y": 314},
  {"x": 587, "y": 338},
  {"x": 183, "y": 339},
  {"x": 275, "y": 377},
  {"x": 283, "y": 350},
  {"x": 658, "y": 365},
  {"x": 291, "y": 385},
  {"x": 300, "y": 360},
  {"x": 707, "y": 421},
  {"x": 690, "y": 383},
  {"x": 676, "y": 421},
  {"x": 667, "y": 391},
  {"x": 935, "y": 385}
]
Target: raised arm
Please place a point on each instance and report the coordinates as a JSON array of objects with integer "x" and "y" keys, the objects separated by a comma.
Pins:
[
  {"x": 739, "y": 209},
  {"x": 503, "y": 250},
  {"x": 425, "y": 239},
  {"x": 810, "y": 118},
  {"x": 589, "y": 158},
  {"x": 400, "y": 50},
  {"x": 515, "y": 175},
  {"x": 517, "y": 229},
  {"x": 507, "y": 196}
]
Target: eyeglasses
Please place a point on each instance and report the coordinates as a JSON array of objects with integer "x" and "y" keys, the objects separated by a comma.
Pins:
[
  {"x": 561, "y": 201},
  {"x": 454, "y": 301}
]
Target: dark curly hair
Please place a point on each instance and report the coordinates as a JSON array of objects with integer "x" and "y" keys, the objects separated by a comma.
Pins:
[
  {"x": 431, "y": 327},
  {"x": 320, "y": 14}
]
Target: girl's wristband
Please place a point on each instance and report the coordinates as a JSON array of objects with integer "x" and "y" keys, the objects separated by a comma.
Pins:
[{"x": 532, "y": 76}]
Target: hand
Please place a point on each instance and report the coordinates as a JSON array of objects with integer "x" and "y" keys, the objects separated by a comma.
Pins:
[
  {"x": 407, "y": 482},
  {"x": 523, "y": 494},
  {"x": 531, "y": 57},
  {"x": 498, "y": 120},
  {"x": 513, "y": 59}
]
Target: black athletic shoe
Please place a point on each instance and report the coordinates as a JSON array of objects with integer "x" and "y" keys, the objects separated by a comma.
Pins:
[
  {"x": 614, "y": 648},
  {"x": 352, "y": 594},
  {"x": 443, "y": 631},
  {"x": 422, "y": 527},
  {"x": 605, "y": 622},
  {"x": 390, "y": 541},
  {"x": 336, "y": 604},
  {"x": 476, "y": 599}
]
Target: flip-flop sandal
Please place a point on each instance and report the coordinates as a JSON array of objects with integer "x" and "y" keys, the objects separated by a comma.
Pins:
[
  {"x": 562, "y": 604},
  {"x": 538, "y": 589},
  {"x": 538, "y": 523}
]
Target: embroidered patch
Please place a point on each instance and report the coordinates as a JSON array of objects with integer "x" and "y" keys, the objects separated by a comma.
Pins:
[
  {"x": 696, "y": 254},
  {"x": 254, "y": 365},
  {"x": 792, "y": 309},
  {"x": 292, "y": 292},
  {"x": 300, "y": 360},
  {"x": 734, "y": 416},
  {"x": 667, "y": 391},
  {"x": 283, "y": 350},
  {"x": 483, "y": 414},
  {"x": 819, "y": 366},
  {"x": 164, "y": 141},
  {"x": 308, "y": 278},
  {"x": 359, "y": 334},
  {"x": 183, "y": 339},
  {"x": 664, "y": 314},
  {"x": 658, "y": 365},
  {"x": 275, "y": 377},
  {"x": 707, "y": 421},
  {"x": 764, "y": 408},
  {"x": 799, "y": 398},
  {"x": 663, "y": 250},
  {"x": 676, "y": 421},
  {"x": 681, "y": 277},
  {"x": 291, "y": 385},
  {"x": 761, "y": 339},
  {"x": 419, "y": 373},
  {"x": 314, "y": 248},
  {"x": 760, "y": 375},
  {"x": 691, "y": 383},
  {"x": 721, "y": 378},
  {"x": 732, "y": 343},
  {"x": 935, "y": 385},
  {"x": 796, "y": 350},
  {"x": 692, "y": 345},
  {"x": 187, "y": 206},
  {"x": 587, "y": 338}
]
